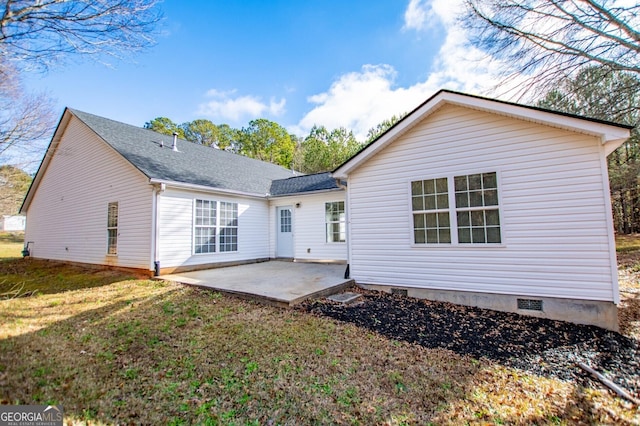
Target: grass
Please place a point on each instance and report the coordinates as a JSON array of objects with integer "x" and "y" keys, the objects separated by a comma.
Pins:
[
  {"x": 11, "y": 244},
  {"x": 114, "y": 349}
]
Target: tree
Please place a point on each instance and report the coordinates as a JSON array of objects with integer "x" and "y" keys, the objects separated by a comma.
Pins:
[
  {"x": 382, "y": 127},
  {"x": 547, "y": 40},
  {"x": 14, "y": 184},
  {"x": 165, "y": 126},
  {"x": 267, "y": 141},
  {"x": 23, "y": 117},
  {"x": 602, "y": 93},
  {"x": 37, "y": 34},
  {"x": 324, "y": 150},
  {"x": 201, "y": 131},
  {"x": 228, "y": 138}
]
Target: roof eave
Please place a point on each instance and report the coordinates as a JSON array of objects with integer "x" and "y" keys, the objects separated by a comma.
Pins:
[
  {"x": 204, "y": 188},
  {"x": 53, "y": 145},
  {"x": 612, "y": 135},
  {"x": 293, "y": 194}
]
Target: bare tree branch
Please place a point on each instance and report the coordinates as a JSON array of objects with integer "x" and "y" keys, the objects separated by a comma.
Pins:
[
  {"x": 547, "y": 40},
  {"x": 24, "y": 118},
  {"x": 40, "y": 33}
]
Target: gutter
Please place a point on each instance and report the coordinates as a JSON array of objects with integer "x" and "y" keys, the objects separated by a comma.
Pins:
[
  {"x": 204, "y": 188},
  {"x": 155, "y": 228},
  {"x": 347, "y": 222},
  {"x": 293, "y": 194}
]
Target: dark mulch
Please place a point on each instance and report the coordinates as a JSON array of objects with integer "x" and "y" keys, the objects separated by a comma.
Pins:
[{"x": 539, "y": 346}]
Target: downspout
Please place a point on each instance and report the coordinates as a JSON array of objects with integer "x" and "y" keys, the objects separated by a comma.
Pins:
[
  {"x": 155, "y": 234},
  {"x": 341, "y": 185}
]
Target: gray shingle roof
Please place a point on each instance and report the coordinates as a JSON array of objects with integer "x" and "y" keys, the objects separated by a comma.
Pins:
[
  {"x": 193, "y": 164},
  {"x": 305, "y": 183}
]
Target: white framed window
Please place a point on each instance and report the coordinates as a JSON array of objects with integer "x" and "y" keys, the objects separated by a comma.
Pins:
[
  {"x": 205, "y": 227},
  {"x": 460, "y": 209},
  {"x": 430, "y": 205},
  {"x": 285, "y": 220},
  {"x": 228, "y": 226},
  {"x": 477, "y": 211},
  {"x": 335, "y": 222},
  {"x": 215, "y": 227},
  {"x": 112, "y": 228}
]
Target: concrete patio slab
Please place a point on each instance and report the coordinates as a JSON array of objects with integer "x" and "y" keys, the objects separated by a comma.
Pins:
[{"x": 276, "y": 282}]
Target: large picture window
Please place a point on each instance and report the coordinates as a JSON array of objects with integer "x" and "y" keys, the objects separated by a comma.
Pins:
[
  {"x": 112, "y": 228},
  {"x": 215, "y": 227},
  {"x": 468, "y": 204},
  {"x": 335, "y": 219}
]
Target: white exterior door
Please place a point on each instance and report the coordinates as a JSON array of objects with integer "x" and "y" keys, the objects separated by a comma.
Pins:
[{"x": 284, "y": 224}]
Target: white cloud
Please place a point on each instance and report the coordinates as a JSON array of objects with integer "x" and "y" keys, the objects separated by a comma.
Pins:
[
  {"x": 222, "y": 105},
  {"x": 362, "y": 99},
  {"x": 415, "y": 17}
]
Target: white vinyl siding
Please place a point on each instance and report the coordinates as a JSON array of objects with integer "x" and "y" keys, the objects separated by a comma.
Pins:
[
  {"x": 309, "y": 226},
  {"x": 250, "y": 237},
  {"x": 552, "y": 209},
  {"x": 68, "y": 214}
]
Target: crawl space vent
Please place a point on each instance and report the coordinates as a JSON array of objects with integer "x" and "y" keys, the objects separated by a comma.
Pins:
[
  {"x": 399, "y": 291},
  {"x": 530, "y": 304}
]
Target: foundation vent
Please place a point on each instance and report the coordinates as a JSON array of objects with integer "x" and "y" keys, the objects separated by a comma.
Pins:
[
  {"x": 399, "y": 291},
  {"x": 530, "y": 304}
]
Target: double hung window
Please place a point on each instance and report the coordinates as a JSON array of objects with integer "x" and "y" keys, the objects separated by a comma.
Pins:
[
  {"x": 215, "y": 227},
  {"x": 460, "y": 209}
]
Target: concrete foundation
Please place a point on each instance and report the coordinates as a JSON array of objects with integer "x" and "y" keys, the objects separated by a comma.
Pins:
[{"x": 590, "y": 312}]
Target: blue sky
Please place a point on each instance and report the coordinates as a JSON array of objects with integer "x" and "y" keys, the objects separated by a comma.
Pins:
[{"x": 329, "y": 62}]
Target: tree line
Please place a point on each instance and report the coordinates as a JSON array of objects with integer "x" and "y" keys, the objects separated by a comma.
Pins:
[{"x": 320, "y": 151}]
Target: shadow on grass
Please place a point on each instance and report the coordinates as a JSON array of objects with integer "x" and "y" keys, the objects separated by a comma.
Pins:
[
  {"x": 24, "y": 277},
  {"x": 158, "y": 353},
  {"x": 180, "y": 356},
  {"x": 12, "y": 237}
]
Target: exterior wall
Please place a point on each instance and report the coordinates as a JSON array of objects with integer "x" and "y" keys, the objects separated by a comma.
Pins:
[
  {"x": 309, "y": 229},
  {"x": 176, "y": 211},
  {"x": 553, "y": 193},
  {"x": 67, "y": 218}
]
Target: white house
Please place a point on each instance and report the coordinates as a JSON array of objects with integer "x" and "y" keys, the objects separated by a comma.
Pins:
[
  {"x": 490, "y": 204},
  {"x": 467, "y": 199},
  {"x": 114, "y": 194}
]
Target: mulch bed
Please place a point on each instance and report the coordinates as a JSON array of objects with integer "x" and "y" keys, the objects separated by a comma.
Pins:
[{"x": 539, "y": 346}]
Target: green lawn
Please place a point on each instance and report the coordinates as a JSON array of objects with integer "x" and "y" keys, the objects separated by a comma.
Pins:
[
  {"x": 11, "y": 244},
  {"x": 114, "y": 349}
]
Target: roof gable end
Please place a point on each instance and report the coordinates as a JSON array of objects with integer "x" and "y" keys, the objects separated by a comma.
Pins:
[{"x": 612, "y": 135}]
